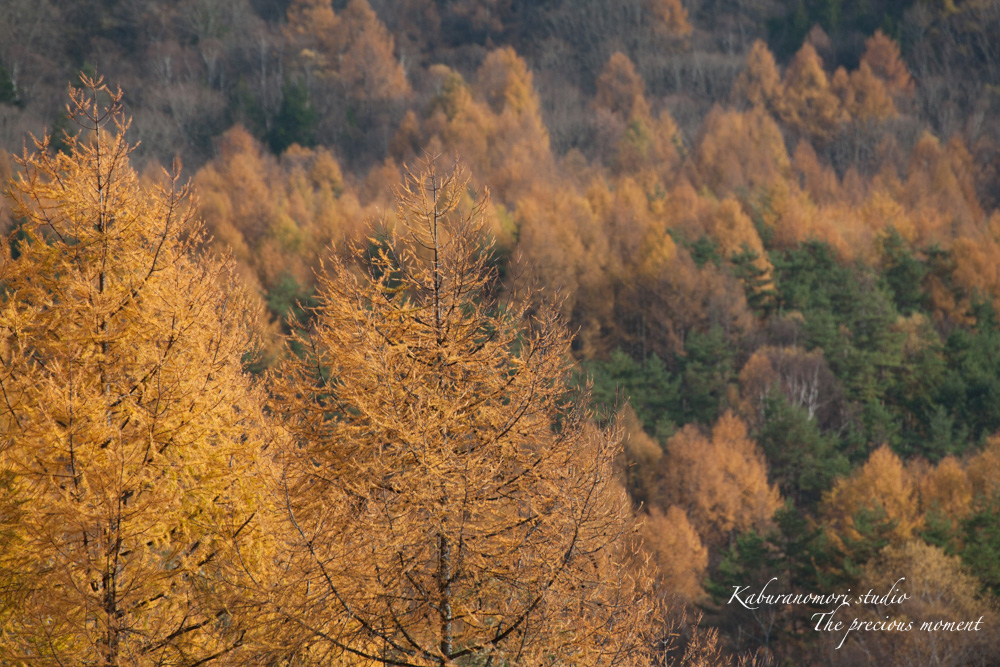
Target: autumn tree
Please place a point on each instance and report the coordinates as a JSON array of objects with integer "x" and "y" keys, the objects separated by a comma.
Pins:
[
  {"x": 348, "y": 63},
  {"x": 881, "y": 486},
  {"x": 883, "y": 57},
  {"x": 446, "y": 502},
  {"x": 740, "y": 150},
  {"x": 670, "y": 18},
  {"x": 497, "y": 125},
  {"x": 275, "y": 214},
  {"x": 129, "y": 427},
  {"x": 627, "y": 132},
  {"x": 678, "y": 552},
  {"x": 863, "y": 95},
  {"x": 807, "y": 102},
  {"x": 720, "y": 482},
  {"x": 938, "y": 589},
  {"x": 619, "y": 87},
  {"x": 759, "y": 85},
  {"x": 352, "y": 49}
]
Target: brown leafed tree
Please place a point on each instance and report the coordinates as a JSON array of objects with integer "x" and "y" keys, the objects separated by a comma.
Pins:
[
  {"x": 128, "y": 425},
  {"x": 939, "y": 589},
  {"x": 863, "y": 95},
  {"x": 445, "y": 502},
  {"x": 739, "y": 150}
]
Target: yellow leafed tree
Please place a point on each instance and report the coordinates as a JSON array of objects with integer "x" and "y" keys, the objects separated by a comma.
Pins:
[
  {"x": 445, "y": 504},
  {"x": 128, "y": 426}
]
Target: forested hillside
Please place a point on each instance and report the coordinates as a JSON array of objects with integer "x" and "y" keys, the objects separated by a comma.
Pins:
[{"x": 771, "y": 229}]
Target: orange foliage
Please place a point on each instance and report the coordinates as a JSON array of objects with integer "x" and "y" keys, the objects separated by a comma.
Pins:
[
  {"x": 619, "y": 87},
  {"x": 132, "y": 433},
  {"x": 312, "y": 28},
  {"x": 630, "y": 229},
  {"x": 354, "y": 50},
  {"x": 6, "y": 172},
  {"x": 977, "y": 265},
  {"x": 405, "y": 144},
  {"x": 680, "y": 556},
  {"x": 670, "y": 18},
  {"x": 792, "y": 215},
  {"x": 503, "y": 136},
  {"x": 883, "y": 58},
  {"x": 882, "y": 483},
  {"x": 627, "y": 129},
  {"x": 721, "y": 483},
  {"x": 562, "y": 240},
  {"x": 945, "y": 488},
  {"x": 807, "y": 103},
  {"x": 881, "y": 211},
  {"x": 451, "y": 476},
  {"x": 368, "y": 68},
  {"x": 863, "y": 95},
  {"x": 740, "y": 150},
  {"x": 938, "y": 588},
  {"x": 760, "y": 83},
  {"x": 276, "y": 217},
  {"x": 983, "y": 469},
  {"x": 813, "y": 177},
  {"x": 644, "y": 277},
  {"x": 734, "y": 232},
  {"x": 940, "y": 188}
]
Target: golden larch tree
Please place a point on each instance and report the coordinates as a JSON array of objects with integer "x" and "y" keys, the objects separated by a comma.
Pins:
[
  {"x": 863, "y": 95},
  {"x": 496, "y": 125},
  {"x": 882, "y": 484},
  {"x": 738, "y": 150},
  {"x": 619, "y": 87},
  {"x": 759, "y": 85},
  {"x": 446, "y": 502},
  {"x": 940, "y": 590},
  {"x": 945, "y": 489},
  {"x": 807, "y": 103},
  {"x": 883, "y": 57},
  {"x": 680, "y": 557},
  {"x": 670, "y": 18},
  {"x": 352, "y": 50},
  {"x": 720, "y": 482},
  {"x": 128, "y": 425}
]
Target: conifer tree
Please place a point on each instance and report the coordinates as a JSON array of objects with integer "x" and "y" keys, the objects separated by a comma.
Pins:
[
  {"x": 128, "y": 425},
  {"x": 445, "y": 503}
]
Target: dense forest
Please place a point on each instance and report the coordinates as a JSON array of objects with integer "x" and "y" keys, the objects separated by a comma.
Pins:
[{"x": 741, "y": 258}]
